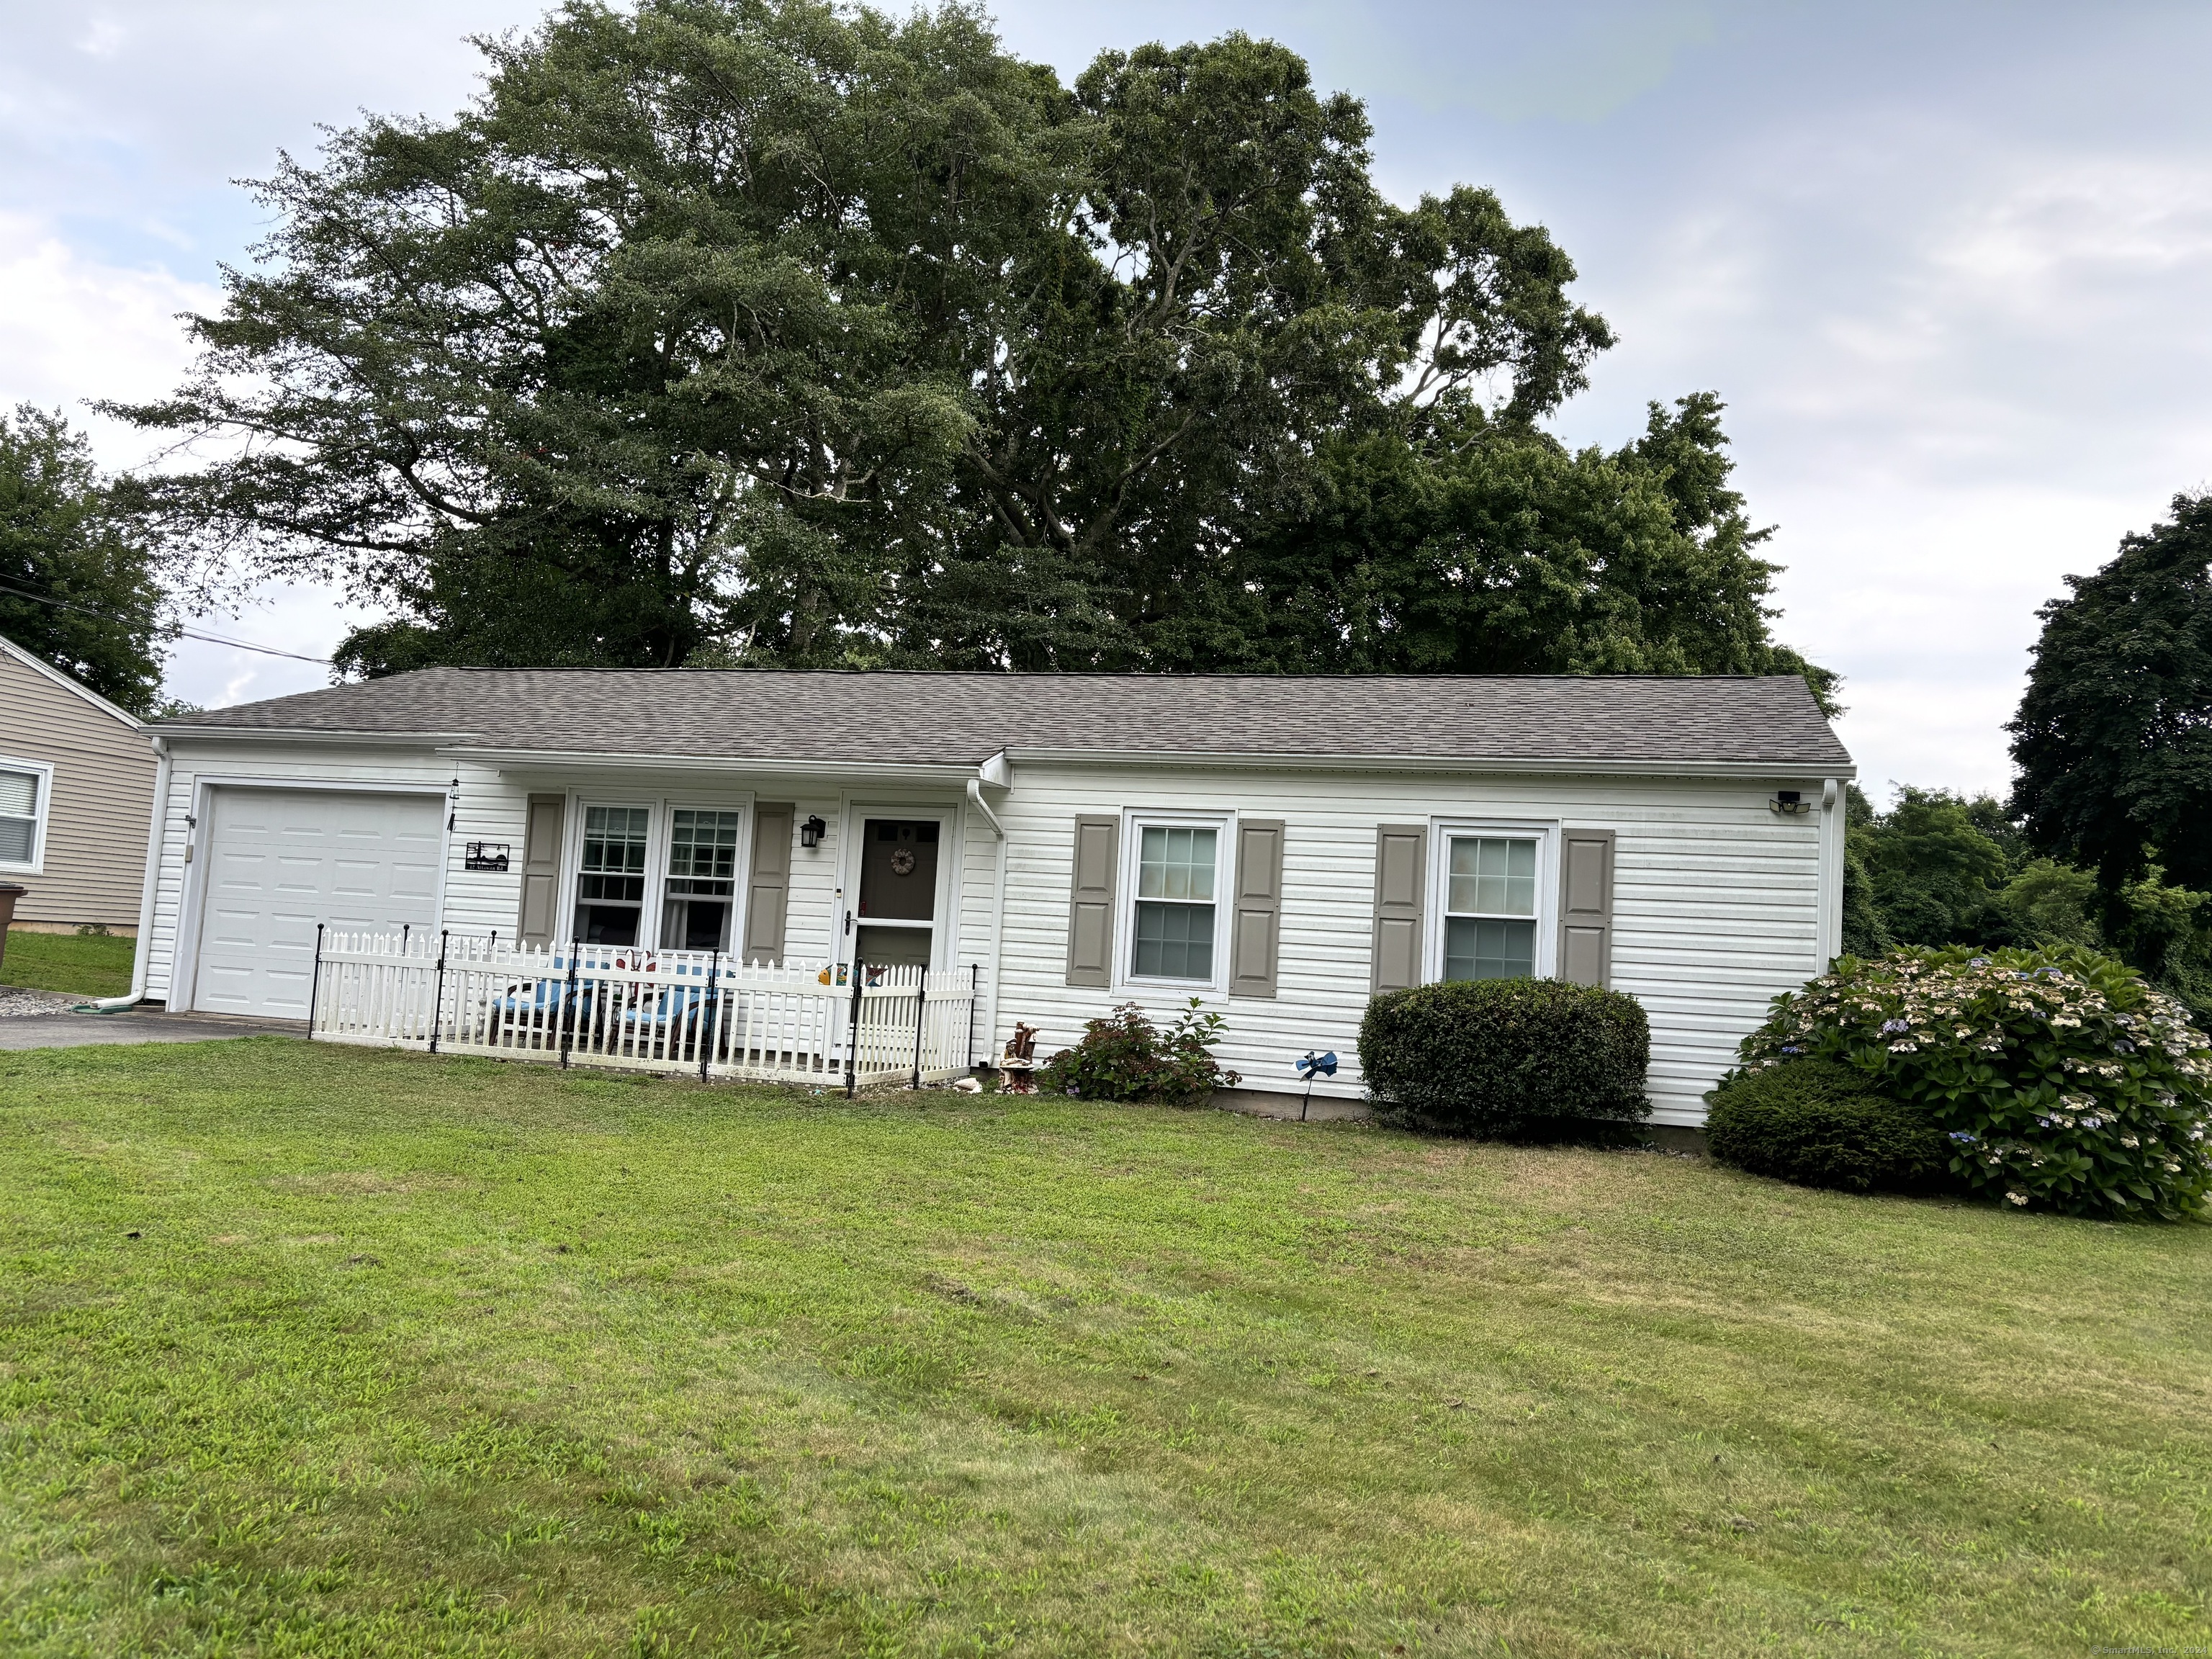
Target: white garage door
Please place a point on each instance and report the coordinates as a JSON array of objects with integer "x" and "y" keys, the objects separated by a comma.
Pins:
[{"x": 281, "y": 860}]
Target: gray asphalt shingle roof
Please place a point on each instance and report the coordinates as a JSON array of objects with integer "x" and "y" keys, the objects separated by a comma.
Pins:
[{"x": 961, "y": 720}]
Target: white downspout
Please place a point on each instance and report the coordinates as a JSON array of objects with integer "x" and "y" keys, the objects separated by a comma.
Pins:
[
  {"x": 998, "y": 915},
  {"x": 141, "y": 959},
  {"x": 1828, "y": 925},
  {"x": 976, "y": 799}
]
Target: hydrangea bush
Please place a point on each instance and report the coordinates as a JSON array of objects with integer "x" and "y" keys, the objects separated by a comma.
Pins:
[
  {"x": 2062, "y": 1080},
  {"x": 1124, "y": 1056}
]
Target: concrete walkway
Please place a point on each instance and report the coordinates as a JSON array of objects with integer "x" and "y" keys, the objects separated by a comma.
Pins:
[{"x": 89, "y": 1030}]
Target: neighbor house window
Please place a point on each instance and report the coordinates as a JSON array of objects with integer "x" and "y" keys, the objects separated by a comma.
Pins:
[
  {"x": 1175, "y": 887},
  {"x": 610, "y": 880},
  {"x": 22, "y": 816},
  {"x": 702, "y": 880},
  {"x": 1489, "y": 907}
]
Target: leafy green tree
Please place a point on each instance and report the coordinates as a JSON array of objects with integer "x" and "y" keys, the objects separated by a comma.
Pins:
[
  {"x": 1939, "y": 869},
  {"x": 2113, "y": 738},
  {"x": 2053, "y": 903},
  {"x": 1936, "y": 875},
  {"x": 1504, "y": 554},
  {"x": 77, "y": 582},
  {"x": 2166, "y": 930},
  {"x": 768, "y": 330}
]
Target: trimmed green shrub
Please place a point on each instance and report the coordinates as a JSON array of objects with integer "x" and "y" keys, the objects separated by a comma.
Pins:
[
  {"x": 1823, "y": 1123},
  {"x": 1506, "y": 1057},
  {"x": 2060, "y": 1077},
  {"x": 1124, "y": 1056}
]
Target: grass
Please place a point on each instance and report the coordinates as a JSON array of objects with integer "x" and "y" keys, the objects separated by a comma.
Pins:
[
  {"x": 310, "y": 1350},
  {"x": 80, "y": 964}
]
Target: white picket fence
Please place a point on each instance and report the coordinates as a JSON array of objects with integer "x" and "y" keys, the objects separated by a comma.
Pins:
[{"x": 691, "y": 1012}]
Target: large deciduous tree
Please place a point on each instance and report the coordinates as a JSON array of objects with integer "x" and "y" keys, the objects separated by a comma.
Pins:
[
  {"x": 771, "y": 331},
  {"x": 77, "y": 585},
  {"x": 2113, "y": 738}
]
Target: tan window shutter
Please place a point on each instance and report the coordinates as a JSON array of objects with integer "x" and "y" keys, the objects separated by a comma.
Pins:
[
  {"x": 1091, "y": 902},
  {"x": 1401, "y": 875},
  {"x": 768, "y": 890},
  {"x": 1255, "y": 928},
  {"x": 541, "y": 869},
  {"x": 1586, "y": 907}
]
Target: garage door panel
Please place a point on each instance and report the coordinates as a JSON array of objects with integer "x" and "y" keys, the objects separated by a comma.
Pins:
[
  {"x": 418, "y": 883},
  {"x": 285, "y": 860}
]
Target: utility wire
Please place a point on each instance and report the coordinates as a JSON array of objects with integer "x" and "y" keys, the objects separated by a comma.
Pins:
[{"x": 189, "y": 632}]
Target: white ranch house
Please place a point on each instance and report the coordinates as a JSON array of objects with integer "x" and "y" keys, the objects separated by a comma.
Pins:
[{"x": 587, "y": 851}]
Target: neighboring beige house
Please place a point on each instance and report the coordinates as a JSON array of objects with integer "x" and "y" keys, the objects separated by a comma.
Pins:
[{"x": 76, "y": 796}]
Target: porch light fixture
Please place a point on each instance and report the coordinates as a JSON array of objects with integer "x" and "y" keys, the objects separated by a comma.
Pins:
[
  {"x": 810, "y": 832},
  {"x": 1789, "y": 802}
]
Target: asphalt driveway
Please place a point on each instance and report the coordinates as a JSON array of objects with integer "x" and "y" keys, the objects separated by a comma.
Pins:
[{"x": 73, "y": 1030}]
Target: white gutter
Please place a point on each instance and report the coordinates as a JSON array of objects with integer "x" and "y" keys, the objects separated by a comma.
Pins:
[
  {"x": 142, "y": 958},
  {"x": 942, "y": 777},
  {"x": 310, "y": 734},
  {"x": 976, "y": 799},
  {"x": 1656, "y": 768}
]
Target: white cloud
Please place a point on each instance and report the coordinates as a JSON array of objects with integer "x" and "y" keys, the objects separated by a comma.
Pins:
[
  {"x": 72, "y": 329},
  {"x": 1947, "y": 265}
]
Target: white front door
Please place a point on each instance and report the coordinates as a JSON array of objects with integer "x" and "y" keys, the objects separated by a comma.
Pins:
[{"x": 279, "y": 862}]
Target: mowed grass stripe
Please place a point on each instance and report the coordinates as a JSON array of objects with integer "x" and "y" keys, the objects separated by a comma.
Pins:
[{"x": 417, "y": 1355}]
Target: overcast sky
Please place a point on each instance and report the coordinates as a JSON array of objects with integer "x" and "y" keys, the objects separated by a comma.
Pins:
[{"x": 1948, "y": 264}]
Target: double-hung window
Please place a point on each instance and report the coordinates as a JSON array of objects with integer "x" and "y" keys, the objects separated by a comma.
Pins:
[
  {"x": 1175, "y": 921},
  {"x": 610, "y": 879},
  {"x": 1490, "y": 906},
  {"x": 23, "y": 805},
  {"x": 702, "y": 880}
]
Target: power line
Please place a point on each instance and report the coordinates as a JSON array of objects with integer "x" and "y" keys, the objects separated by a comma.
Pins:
[{"x": 188, "y": 633}]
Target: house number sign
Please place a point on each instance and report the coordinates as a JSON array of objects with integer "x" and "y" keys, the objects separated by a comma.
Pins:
[{"x": 485, "y": 855}]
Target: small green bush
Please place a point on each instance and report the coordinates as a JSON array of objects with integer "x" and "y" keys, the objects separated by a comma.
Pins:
[
  {"x": 1822, "y": 1123},
  {"x": 1506, "y": 1057},
  {"x": 1124, "y": 1056},
  {"x": 2060, "y": 1077}
]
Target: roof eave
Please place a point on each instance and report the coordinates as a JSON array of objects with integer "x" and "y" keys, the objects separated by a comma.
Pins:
[
  {"x": 948, "y": 774},
  {"x": 68, "y": 683},
  {"x": 1749, "y": 769},
  {"x": 175, "y": 729}
]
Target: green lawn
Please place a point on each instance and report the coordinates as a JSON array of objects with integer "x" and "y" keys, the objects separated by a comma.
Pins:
[
  {"x": 315, "y": 1351},
  {"x": 82, "y": 964}
]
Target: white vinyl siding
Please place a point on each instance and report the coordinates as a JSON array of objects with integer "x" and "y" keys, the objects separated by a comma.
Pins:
[{"x": 1716, "y": 902}]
